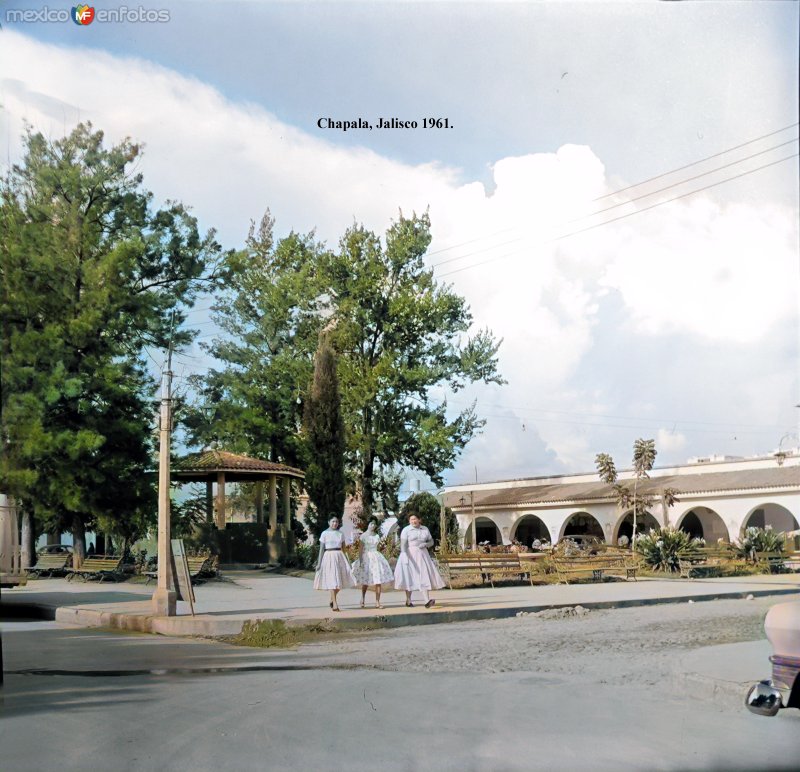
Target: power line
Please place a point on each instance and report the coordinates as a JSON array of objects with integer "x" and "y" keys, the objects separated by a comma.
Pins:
[
  {"x": 622, "y": 217},
  {"x": 683, "y": 182},
  {"x": 695, "y": 163},
  {"x": 622, "y": 203},
  {"x": 635, "y": 185}
]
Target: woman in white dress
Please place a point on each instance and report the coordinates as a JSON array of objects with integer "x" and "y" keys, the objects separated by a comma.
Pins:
[
  {"x": 415, "y": 568},
  {"x": 370, "y": 567},
  {"x": 333, "y": 568}
]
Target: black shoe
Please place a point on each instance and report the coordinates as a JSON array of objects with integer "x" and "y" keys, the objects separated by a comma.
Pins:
[{"x": 430, "y": 603}]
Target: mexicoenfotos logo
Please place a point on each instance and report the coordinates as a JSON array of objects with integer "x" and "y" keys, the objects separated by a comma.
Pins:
[{"x": 83, "y": 14}]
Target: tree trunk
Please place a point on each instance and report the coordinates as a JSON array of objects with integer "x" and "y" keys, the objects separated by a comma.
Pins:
[
  {"x": 367, "y": 491},
  {"x": 27, "y": 541},
  {"x": 78, "y": 541}
]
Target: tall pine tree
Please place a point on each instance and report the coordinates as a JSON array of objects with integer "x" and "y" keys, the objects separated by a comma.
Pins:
[{"x": 90, "y": 274}]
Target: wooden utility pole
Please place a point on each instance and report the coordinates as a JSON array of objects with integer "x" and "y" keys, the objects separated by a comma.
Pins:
[{"x": 164, "y": 597}]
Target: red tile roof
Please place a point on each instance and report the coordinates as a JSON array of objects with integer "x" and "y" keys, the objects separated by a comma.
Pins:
[{"x": 207, "y": 463}]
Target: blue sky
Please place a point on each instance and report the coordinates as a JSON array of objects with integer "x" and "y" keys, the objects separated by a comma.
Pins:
[{"x": 680, "y": 323}]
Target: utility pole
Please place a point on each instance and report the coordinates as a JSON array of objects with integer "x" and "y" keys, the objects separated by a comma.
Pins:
[{"x": 164, "y": 598}]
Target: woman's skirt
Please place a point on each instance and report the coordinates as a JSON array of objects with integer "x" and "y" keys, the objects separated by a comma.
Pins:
[
  {"x": 333, "y": 572},
  {"x": 416, "y": 570},
  {"x": 372, "y": 568}
]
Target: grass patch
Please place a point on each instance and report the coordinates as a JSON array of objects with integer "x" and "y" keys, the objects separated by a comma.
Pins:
[{"x": 276, "y": 634}]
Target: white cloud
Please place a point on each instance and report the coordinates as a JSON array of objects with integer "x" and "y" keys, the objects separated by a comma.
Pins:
[
  {"x": 697, "y": 269},
  {"x": 669, "y": 441}
]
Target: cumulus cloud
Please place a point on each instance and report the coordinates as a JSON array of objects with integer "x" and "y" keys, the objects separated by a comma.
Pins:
[{"x": 698, "y": 269}]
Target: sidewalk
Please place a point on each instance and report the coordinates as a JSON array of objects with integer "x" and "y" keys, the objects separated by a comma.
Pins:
[{"x": 222, "y": 607}]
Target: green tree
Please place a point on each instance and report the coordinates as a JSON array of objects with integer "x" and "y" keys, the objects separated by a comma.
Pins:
[
  {"x": 644, "y": 456},
  {"x": 324, "y": 431},
  {"x": 269, "y": 311},
  {"x": 428, "y": 509},
  {"x": 401, "y": 334},
  {"x": 398, "y": 334},
  {"x": 90, "y": 274}
]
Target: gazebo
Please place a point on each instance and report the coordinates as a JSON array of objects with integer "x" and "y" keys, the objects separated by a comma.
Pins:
[{"x": 220, "y": 466}]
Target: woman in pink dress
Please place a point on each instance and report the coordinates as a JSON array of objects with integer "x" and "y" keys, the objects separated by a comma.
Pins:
[
  {"x": 415, "y": 568},
  {"x": 333, "y": 568}
]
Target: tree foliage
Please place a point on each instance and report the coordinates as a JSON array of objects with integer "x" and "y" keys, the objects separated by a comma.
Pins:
[
  {"x": 630, "y": 497},
  {"x": 397, "y": 333},
  {"x": 90, "y": 275},
  {"x": 324, "y": 433},
  {"x": 428, "y": 509}
]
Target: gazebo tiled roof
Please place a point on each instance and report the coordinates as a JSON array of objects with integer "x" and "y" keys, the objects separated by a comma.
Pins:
[{"x": 197, "y": 467}]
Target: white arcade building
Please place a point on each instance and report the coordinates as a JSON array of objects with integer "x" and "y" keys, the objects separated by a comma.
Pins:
[{"x": 718, "y": 497}]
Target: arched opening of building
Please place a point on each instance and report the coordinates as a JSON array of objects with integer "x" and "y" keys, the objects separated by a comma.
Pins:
[
  {"x": 485, "y": 530},
  {"x": 530, "y": 528},
  {"x": 644, "y": 523},
  {"x": 583, "y": 524},
  {"x": 704, "y": 523},
  {"x": 780, "y": 518}
]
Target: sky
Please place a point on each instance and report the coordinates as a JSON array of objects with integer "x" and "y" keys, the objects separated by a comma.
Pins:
[{"x": 622, "y": 316}]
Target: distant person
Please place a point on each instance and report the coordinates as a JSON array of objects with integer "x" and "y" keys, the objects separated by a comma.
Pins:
[
  {"x": 415, "y": 568},
  {"x": 90, "y": 551},
  {"x": 371, "y": 568},
  {"x": 333, "y": 568}
]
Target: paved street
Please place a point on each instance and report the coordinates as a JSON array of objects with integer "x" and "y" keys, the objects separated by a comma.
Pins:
[{"x": 605, "y": 690}]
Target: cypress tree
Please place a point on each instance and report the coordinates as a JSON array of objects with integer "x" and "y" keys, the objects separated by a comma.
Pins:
[{"x": 324, "y": 428}]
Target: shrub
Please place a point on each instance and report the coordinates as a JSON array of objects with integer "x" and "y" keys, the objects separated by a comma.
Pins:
[
  {"x": 759, "y": 540},
  {"x": 662, "y": 548},
  {"x": 304, "y": 557}
]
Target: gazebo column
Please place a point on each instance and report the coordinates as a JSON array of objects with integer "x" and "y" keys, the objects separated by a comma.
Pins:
[
  {"x": 287, "y": 512},
  {"x": 221, "y": 500},
  {"x": 259, "y": 502},
  {"x": 273, "y": 504},
  {"x": 209, "y": 501},
  {"x": 276, "y": 543}
]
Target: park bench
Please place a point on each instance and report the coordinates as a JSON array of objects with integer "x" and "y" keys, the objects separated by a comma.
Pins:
[
  {"x": 487, "y": 566},
  {"x": 50, "y": 564},
  {"x": 98, "y": 567},
  {"x": 200, "y": 568},
  {"x": 460, "y": 565},
  {"x": 502, "y": 565},
  {"x": 705, "y": 561},
  {"x": 771, "y": 560},
  {"x": 594, "y": 567}
]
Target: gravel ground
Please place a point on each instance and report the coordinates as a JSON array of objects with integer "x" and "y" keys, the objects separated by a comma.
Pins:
[{"x": 615, "y": 646}]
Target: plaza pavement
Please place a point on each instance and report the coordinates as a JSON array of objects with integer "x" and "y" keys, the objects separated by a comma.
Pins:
[{"x": 223, "y": 606}]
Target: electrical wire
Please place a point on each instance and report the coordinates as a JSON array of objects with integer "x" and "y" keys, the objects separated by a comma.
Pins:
[
  {"x": 622, "y": 217},
  {"x": 634, "y": 185}
]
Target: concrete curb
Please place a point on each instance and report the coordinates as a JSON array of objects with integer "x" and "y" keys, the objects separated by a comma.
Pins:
[{"x": 210, "y": 627}]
